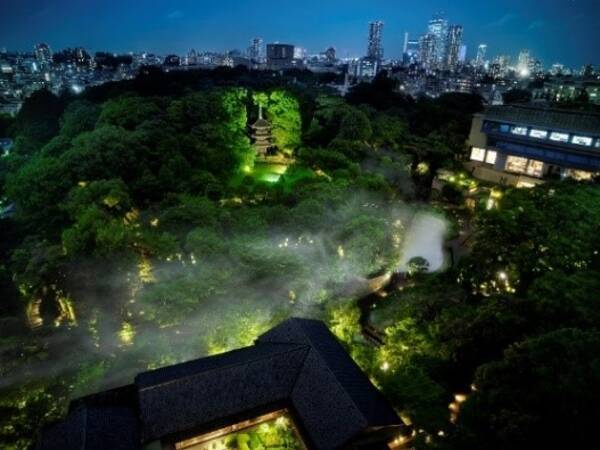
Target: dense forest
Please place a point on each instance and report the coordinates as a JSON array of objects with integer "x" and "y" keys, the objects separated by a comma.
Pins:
[{"x": 146, "y": 233}]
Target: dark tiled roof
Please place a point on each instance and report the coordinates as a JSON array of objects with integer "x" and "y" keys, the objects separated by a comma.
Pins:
[
  {"x": 261, "y": 123},
  {"x": 93, "y": 428},
  {"x": 193, "y": 394},
  {"x": 299, "y": 364},
  {"x": 575, "y": 121}
]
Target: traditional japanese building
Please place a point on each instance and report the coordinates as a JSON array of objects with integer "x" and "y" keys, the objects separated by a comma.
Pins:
[
  {"x": 295, "y": 388},
  {"x": 261, "y": 134},
  {"x": 523, "y": 145}
]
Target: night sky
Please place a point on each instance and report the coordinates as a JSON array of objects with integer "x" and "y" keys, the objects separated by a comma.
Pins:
[{"x": 554, "y": 30}]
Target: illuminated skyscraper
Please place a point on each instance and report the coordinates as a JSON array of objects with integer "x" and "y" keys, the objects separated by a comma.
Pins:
[
  {"x": 462, "y": 54},
  {"x": 428, "y": 51},
  {"x": 255, "y": 49},
  {"x": 43, "y": 54},
  {"x": 299, "y": 53},
  {"x": 405, "y": 46},
  {"x": 480, "y": 58},
  {"x": 455, "y": 33},
  {"x": 375, "y": 47},
  {"x": 411, "y": 51},
  {"x": 438, "y": 28},
  {"x": 524, "y": 63}
]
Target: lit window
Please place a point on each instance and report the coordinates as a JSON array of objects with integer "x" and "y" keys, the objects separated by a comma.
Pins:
[
  {"x": 490, "y": 157},
  {"x": 516, "y": 164},
  {"x": 521, "y": 131},
  {"x": 559, "y": 137},
  {"x": 477, "y": 154},
  {"x": 538, "y": 134},
  {"x": 276, "y": 427},
  {"x": 525, "y": 184},
  {"x": 534, "y": 168},
  {"x": 579, "y": 174},
  {"x": 582, "y": 140}
]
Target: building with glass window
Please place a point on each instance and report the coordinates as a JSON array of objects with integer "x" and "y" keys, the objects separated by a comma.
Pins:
[
  {"x": 438, "y": 28},
  {"x": 375, "y": 45},
  {"x": 296, "y": 388},
  {"x": 524, "y": 145},
  {"x": 282, "y": 56}
]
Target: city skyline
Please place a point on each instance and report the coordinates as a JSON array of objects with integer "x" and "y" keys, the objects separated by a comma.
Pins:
[{"x": 564, "y": 31}]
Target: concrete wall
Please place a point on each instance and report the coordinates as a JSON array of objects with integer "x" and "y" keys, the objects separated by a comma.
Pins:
[{"x": 476, "y": 137}]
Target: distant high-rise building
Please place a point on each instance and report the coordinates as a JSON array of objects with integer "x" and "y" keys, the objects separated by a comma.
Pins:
[
  {"x": 428, "y": 51},
  {"x": 500, "y": 66},
  {"x": 557, "y": 69},
  {"x": 438, "y": 28},
  {"x": 43, "y": 54},
  {"x": 587, "y": 70},
  {"x": 455, "y": 34},
  {"x": 172, "y": 61},
  {"x": 536, "y": 68},
  {"x": 375, "y": 47},
  {"x": 330, "y": 55},
  {"x": 480, "y": 58},
  {"x": 255, "y": 50},
  {"x": 462, "y": 54},
  {"x": 192, "y": 58},
  {"x": 280, "y": 56},
  {"x": 524, "y": 62},
  {"x": 411, "y": 51},
  {"x": 299, "y": 53},
  {"x": 405, "y": 46}
]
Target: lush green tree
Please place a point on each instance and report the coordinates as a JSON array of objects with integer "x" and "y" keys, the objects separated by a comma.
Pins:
[
  {"x": 544, "y": 393},
  {"x": 367, "y": 243},
  {"x": 37, "y": 189},
  {"x": 428, "y": 155},
  {"x": 381, "y": 94},
  {"x": 389, "y": 131},
  {"x": 38, "y": 119},
  {"x": 6, "y": 125},
  {"x": 565, "y": 300},
  {"x": 417, "y": 265},
  {"x": 326, "y": 120},
  {"x": 355, "y": 126},
  {"x": 470, "y": 335},
  {"x": 535, "y": 231},
  {"x": 79, "y": 116},
  {"x": 283, "y": 111},
  {"x": 128, "y": 111}
]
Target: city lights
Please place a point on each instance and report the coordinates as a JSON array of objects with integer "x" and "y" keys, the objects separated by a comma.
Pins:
[{"x": 250, "y": 225}]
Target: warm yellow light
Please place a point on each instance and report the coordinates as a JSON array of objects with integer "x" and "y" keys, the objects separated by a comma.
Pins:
[
  {"x": 145, "y": 271},
  {"x": 126, "y": 333},
  {"x": 460, "y": 397},
  {"x": 422, "y": 168}
]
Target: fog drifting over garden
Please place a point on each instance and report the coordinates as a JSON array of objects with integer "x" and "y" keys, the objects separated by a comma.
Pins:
[{"x": 190, "y": 305}]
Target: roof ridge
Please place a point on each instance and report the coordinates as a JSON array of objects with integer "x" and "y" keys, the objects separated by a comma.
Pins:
[
  {"x": 296, "y": 347},
  {"x": 546, "y": 109}
]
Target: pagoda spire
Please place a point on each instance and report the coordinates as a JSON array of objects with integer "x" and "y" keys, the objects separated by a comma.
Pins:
[{"x": 261, "y": 134}]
